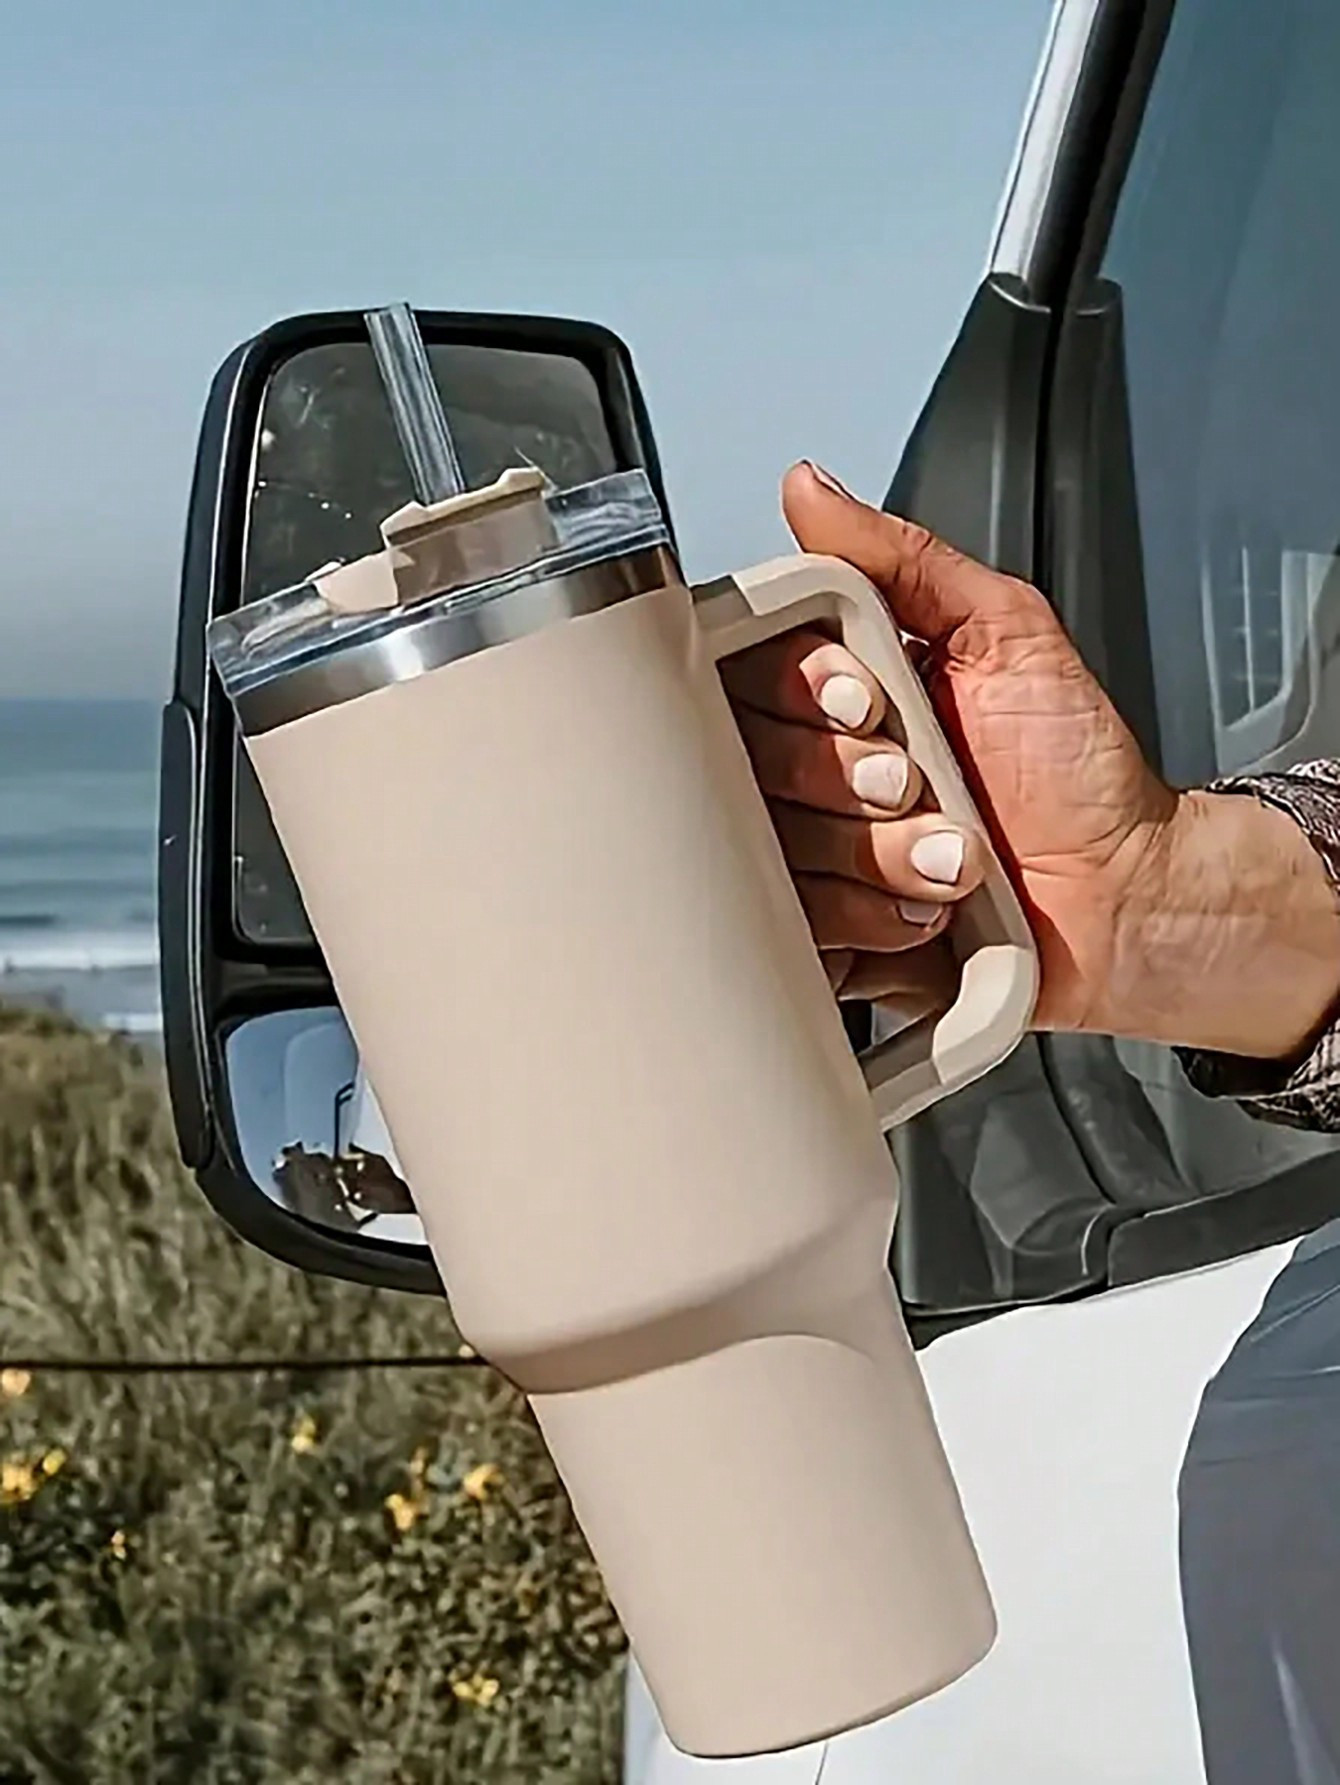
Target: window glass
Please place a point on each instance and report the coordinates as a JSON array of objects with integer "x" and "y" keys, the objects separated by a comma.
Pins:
[{"x": 1227, "y": 251}]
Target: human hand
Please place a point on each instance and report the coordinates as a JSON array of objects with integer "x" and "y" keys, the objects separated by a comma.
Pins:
[{"x": 1079, "y": 818}]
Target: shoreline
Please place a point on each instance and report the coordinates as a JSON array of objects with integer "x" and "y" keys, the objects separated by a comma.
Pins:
[{"x": 115, "y": 994}]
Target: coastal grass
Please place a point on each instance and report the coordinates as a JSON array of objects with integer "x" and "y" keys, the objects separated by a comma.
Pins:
[{"x": 370, "y": 1576}]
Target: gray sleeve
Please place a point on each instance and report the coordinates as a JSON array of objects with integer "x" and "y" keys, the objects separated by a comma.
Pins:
[{"x": 1302, "y": 1093}]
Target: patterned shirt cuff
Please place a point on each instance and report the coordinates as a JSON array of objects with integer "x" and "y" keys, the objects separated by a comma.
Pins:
[{"x": 1304, "y": 1092}]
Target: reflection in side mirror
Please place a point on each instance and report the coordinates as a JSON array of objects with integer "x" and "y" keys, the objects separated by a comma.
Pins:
[{"x": 309, "y": 1129}]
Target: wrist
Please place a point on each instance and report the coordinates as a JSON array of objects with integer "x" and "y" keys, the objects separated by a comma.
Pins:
[{"x": 1229, "y": 937}]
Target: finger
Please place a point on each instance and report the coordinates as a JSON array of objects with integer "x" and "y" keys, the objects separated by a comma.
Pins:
[
  {"x": 918, "y": 981},
  {"x": 921, "y": 859},
  {"x": 805, "y": 677},
  {"x": 846, "y": 914},
  {"x": 932, "y": 590},
  {"x": 827, "y": 770}
]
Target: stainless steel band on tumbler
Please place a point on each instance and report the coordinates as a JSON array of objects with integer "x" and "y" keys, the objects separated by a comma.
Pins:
[{"x": 444, "y": 635}]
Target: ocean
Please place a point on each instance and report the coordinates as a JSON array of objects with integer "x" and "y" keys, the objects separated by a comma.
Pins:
[{"x": 78, "y": 818}]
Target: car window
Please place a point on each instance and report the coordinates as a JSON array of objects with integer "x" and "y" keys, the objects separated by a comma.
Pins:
[{"x": 1226, "y": 251}]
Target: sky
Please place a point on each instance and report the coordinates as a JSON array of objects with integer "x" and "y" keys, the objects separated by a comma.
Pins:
[{"x": 782, "y": 209}]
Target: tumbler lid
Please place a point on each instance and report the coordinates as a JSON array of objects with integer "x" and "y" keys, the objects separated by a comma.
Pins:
[{"x": 450, "y": 574}]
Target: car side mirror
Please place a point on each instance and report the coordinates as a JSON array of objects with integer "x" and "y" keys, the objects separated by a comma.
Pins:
[{"x": 298, "y": 463}]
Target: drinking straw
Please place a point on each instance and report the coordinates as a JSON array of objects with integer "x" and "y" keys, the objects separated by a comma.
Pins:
[{"x": 416, "y": 407}]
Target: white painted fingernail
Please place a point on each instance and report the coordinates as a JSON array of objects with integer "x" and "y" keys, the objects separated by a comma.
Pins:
[
  {"x": 881, "y": 780},
  {"x": 845, "y": 699},
  {"x": 938, "y": 856},
  {"x": 917, "y": 912}
]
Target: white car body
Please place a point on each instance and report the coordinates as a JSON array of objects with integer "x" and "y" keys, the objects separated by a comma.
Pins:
[{"x": 1049, "y": 1416}]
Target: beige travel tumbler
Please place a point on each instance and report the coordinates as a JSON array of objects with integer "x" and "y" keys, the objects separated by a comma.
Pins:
[{"x": 650, "y": 1167}]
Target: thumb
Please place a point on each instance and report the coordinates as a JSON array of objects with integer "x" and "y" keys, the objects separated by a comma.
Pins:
[{"x": 932, "y": 590}]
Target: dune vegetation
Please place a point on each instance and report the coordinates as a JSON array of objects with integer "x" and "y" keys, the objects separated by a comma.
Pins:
[{"x": 368, "y": 1575}]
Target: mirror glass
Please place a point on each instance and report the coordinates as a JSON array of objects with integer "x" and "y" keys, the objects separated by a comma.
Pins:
[
  {"x": 309, "y": 1129},
  {"x": 326, "y": 471}
]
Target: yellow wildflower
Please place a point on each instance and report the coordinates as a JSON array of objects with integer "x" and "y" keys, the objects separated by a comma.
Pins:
[
  {"x": 404, "y": 1511},
  {"x": 478, "y": 1482},
  {"x": 19, "y": 1481},
  {"x": 14, "y": 1383},
  {"x": 478, "y": 1689},
  {"x": 407, "y": 1509},
  {"x": 54, "y": 1461},
  {"x": 304, "y": 1437},
  {"x": 117, "y": 1545}
]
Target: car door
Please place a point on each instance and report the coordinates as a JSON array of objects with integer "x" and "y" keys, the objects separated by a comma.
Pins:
[{"x": 1142, "y": 413}]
